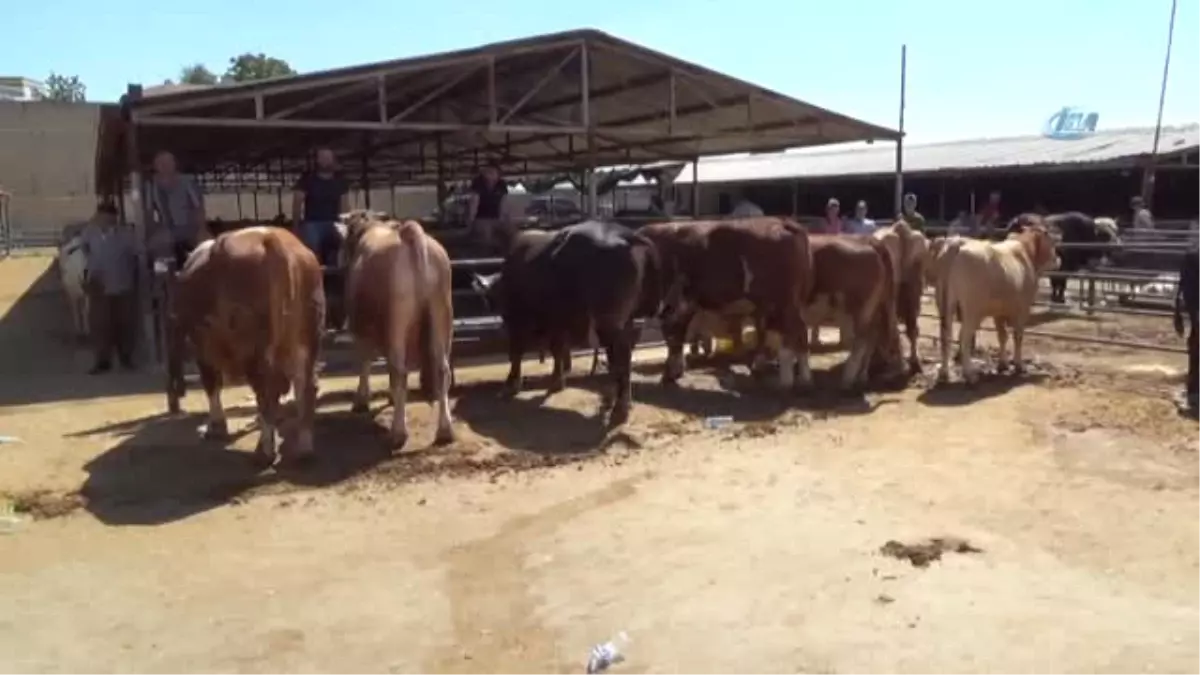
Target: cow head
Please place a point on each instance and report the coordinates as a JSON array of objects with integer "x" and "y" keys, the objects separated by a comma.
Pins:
[
  {"x": 351, "y": 227},
  {"x": 489, "y": 287},
  {"x": 1107, "y": 233},
  {"x": 1041, "y": 245}
]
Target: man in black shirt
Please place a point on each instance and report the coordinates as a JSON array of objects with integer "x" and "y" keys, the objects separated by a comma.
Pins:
[
  {"x": 318, "y": 199},
  {"x": 485, "y": 211},
  {"x": 1187, "y": 299}
]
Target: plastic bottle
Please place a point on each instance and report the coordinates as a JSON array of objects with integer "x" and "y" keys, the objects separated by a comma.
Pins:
[
  {"x": 717, "y": 421},
  {"x": 608, "y": 653}
]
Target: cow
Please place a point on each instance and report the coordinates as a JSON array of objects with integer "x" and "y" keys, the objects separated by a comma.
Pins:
[
  {"x": 761, "y": 267},
  {"x": 909, "y": 250},
  {"x": 854, "y": 285},
  {"x": 251, "y": 305},
  {"x": 1187, "y": 299},
  {"x": 399, "y": 305},
  {"x": 978, "y": 279},
  {"x": 555, "y": 287},
  {"x": 1073, "y": 227},
  {"x": 72, "y": 271}
]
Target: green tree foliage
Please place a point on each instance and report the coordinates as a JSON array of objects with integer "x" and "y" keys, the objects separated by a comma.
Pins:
[
  {"x": 248, "y": 67},
  {"x": 64, "y": 89},
  {"x": 197, "y": 73}
]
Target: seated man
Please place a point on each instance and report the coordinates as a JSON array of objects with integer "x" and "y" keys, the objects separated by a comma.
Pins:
[{"x": 318, "y": 200}]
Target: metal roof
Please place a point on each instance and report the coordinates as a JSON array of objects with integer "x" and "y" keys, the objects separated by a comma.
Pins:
[
  {"x": 1117, "y": 146},
  {"x": 530, "y": 104}
]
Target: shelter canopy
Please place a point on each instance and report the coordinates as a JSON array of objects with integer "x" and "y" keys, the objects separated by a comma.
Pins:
[{"x": 533, "y": 105}]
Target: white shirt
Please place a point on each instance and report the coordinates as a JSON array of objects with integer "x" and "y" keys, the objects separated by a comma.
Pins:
[
  {"x": 746, "y": 209},
  {"x": 864, "y": 226}
]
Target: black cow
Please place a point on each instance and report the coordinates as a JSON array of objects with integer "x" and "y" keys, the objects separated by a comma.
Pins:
[
  {"x": 554, "y": 287},
  {"x": 1073, "y": 227},
  {"x": 1187, "y": 297}
]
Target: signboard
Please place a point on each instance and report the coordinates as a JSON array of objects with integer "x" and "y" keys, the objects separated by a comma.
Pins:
[{"x": 1071, "y": 124}]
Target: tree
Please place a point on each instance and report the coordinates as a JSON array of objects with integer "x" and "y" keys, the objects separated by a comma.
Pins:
[
  {"x": 64, "y": 89},
  {"x": 248, "y": 67},
  {"x": 196, "y": 73}
]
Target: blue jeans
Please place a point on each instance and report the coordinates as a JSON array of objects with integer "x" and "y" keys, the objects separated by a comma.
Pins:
[{"x": 320, "y": 236}]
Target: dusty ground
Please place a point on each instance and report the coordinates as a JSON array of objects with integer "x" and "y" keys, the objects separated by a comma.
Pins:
[{"x": 763, "y": 546}]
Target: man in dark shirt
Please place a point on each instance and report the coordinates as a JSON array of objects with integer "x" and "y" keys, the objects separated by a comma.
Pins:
[
  {"x": 485, "y": 211},
  {"x": 1187, "y": 299},
  {"x": 318, "y": 199}
]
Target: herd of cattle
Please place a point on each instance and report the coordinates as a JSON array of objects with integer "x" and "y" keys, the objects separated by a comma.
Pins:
[{"x": 251, "y": 304}]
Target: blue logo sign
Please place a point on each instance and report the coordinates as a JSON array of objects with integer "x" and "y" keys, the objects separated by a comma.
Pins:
[{"x": 1071, "y": 124}]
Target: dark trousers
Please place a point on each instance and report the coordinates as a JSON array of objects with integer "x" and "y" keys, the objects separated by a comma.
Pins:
[{"x": 113, "y": 323}]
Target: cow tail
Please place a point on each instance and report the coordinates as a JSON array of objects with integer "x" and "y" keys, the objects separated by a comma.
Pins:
[
  {"x": 279, "y": 265},
  {"x": 413, "y": 236}
]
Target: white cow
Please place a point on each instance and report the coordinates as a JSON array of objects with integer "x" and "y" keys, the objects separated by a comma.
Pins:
[
  {"x": 979, "y": 279},
  {"x": 72, "y": 270}
]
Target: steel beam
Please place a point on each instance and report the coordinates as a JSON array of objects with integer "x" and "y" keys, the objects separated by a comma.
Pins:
[{"x": 546, "y": 78}]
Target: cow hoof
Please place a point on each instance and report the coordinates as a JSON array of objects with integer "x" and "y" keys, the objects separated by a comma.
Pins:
[
  {"x": 217, "y": 431},
  {"x": 1018, "y": 369},
  {"x": 398, "y": 439},
  {"x": 915, "y": 367},
  {"x": 556, "y": 385},
  {"x": 618, "y": 416},
  {"x": 444, "y": 436},
  {"x": 943, "y": 376},
  {"x": 360, "y": 407},
  {"x": 262, "y": 460}
]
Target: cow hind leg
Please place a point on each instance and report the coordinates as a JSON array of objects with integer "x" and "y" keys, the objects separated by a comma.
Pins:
[
  {"x": 267, "y": 398},
  {"x": 217, "y": 428},
  {"x": 362, "y": 394},
  {"x": 436, "y": 350},
  {"x": 1002, "y": 340},
  {"x": 398, "y": 383},
  {"x": 304, "y": 388},
  {"x": 561, "y": 353},
  {"x": 966, "y": 341},
  {"x": 1018, "y": 327},
  {"x": 516, "y": 350},
  {"x": 618, "y": 345}
]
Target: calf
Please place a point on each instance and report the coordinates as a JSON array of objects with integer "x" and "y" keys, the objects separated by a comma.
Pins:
[
  {"x": 399, "y": 304},
  {"x": 1187, "y": 298},
  {"x": 854, "y": 285},
  {"x": 1073, "y": 227},
  {"x": 737, "y": 267},
  {"x": 979, "y": 279},
  {"x": 555, "y": 287},
  {"x": 251, "y": 304},
  {"x": 72, "y": 270}
]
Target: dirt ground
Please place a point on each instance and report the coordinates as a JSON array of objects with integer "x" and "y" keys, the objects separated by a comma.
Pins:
[{"x": 794, "y": 539}]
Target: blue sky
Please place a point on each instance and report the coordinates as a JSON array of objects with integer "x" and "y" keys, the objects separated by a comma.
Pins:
[{"x": 975, "y": 68}]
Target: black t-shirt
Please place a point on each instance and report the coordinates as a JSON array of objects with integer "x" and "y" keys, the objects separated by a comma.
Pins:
[
  {"x": 490, "y": 199},
  {"x": 322, "y": 196}
]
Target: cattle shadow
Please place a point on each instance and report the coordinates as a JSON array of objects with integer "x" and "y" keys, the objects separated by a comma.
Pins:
[
  {"x": 161, "y": 470},
  {"x": 990, "y": 385},
  {"x": 41, "y": 358},
  {"x": 526, "y": 423}
]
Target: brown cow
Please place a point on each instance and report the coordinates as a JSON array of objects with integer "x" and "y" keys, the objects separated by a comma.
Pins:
[
  {"x": 398, "y": 303},
  {"x": 853, "y": 284},
  {"x": 251, "y": 303},
  {"x": 758, "y": 266},
  {"x": 910, "y": 252}
]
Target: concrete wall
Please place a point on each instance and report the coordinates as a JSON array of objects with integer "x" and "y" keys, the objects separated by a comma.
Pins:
[{"x": 47, "y": 155}]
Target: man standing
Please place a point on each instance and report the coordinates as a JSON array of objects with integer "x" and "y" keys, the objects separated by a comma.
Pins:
[
  {"x": 177, "y": 205},
  {"x": 1187, "y": 298},
  {"x": 833, "y": 216},
  {"x": 485, "y": 210},
  {"x": 910, "y": 215},
  {"x": 318, "y": 200},
  {"x": 113, "y": 261},
  {"x": 860, "y": 223}
]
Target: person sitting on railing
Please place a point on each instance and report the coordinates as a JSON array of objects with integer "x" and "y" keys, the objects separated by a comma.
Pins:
[
  {"x": 1187, "y": 298},
  {"x": 318, "y": 200},
  {"x": 910, "y": 215},
  {"x": 176, "y": 203},
  {"x": 860, "y": 223},
  {"x": 485, "y": 210}
]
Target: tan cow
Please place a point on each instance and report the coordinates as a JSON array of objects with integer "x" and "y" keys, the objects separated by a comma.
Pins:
[
  {"x": 251, "y": 303},
  {"x": 398, "y": 305},
  {"x": 979, "y": 279},
  {"x": 909, "y": 250}
]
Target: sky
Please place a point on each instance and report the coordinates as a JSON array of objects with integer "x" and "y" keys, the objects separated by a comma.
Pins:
[{"x": 976, "y": 68}]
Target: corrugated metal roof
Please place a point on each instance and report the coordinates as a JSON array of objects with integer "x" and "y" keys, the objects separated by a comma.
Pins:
[{"x": 1104, "y": 146}]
